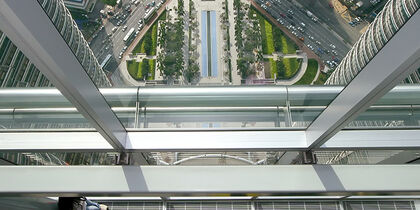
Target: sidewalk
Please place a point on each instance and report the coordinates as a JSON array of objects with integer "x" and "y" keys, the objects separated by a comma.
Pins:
[{"x": 300, "y": 72}]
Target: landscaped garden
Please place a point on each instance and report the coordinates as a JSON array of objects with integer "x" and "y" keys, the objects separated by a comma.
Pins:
[
  {"x": 322, "y": 77},
  {"x": 149, "y": 41},
  {"x": 142, "y": 70},
  {"x": 170, "y": 61},
  {"x": 247, "y": 37},
  {"x": 192, "y": 72},
  {"x": 310, "y": 73},
  {"x": 285, "y": 68},
  {"x": 273, "y": 39},
  {"x": 145, "y": 70}
]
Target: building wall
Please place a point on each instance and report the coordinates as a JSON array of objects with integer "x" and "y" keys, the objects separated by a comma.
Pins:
[
  {"x": 385, "y": 25},
  {"x": 17, "y": 71}
]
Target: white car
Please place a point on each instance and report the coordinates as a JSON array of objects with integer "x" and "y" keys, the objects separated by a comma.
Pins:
[{"x": 124, "y": 28}]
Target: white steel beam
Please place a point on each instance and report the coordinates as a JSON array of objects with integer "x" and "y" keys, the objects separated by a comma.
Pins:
[
  {"x": 374, "y": 139},
  {"x": 210, "y": 180},
  {"x": 144, "y": 141},
  {"x": 216, "y": 140},
  {"x": 54, "y": 141},
  {"x": 31, "y": 30},
  {"x": 394, "y": 62}
]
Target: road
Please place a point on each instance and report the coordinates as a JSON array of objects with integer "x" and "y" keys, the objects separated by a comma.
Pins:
[
  {"x": 322, "y": 35},
  {"x": 102, "y": 45}
]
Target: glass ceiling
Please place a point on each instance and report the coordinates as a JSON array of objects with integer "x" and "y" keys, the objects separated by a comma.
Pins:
[{"x": 210, "y": 65}]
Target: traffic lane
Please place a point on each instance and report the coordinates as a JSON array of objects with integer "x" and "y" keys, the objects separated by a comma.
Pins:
[
  {"x": 322, "y": 9},
  {"x": 117, "y": 43},
  {"x": 323, "y": 32},
  {"x": 301, "y": 45},
  {"x": 313, "y": 29}
]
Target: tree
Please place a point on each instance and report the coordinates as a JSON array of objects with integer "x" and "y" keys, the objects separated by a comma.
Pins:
[
  {"x": 148, "y": 44},
  {"x": 110, "y": 2},
  {"x": 145, "y": 67}
]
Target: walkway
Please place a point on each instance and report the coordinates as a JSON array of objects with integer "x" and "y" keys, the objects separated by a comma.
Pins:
[{"x": 300, "y": 72}]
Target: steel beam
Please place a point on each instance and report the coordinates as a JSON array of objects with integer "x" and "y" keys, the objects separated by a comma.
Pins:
[
  {"x": 210, "y": 180},
  {"x": 374, "y": 139},
  {"x": 216, "y": 140},
  {"x": 161, "y": 141},
  {"x": 54, "y": 141},
  {"x": 394, "y": 62},
  {"x": 31, "y": 30}
]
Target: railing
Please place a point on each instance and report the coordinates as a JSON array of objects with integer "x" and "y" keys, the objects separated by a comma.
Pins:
[{"x": 250, "y": 107}]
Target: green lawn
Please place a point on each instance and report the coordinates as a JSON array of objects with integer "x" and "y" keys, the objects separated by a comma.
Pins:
[
  {"x": 309, "y": 74},
  {"x": 321, "y": 79},
  {"x": 269, "y": 35},
  {"x": 150, "y": 38},
  {"x": 291, "y": 65},
  {"x": 273, "y": 39},
  {"x": 136, "y": 69},
  {"x": 152, "y": 64},
  {"x": 132, "y": 68},
  {"x": 273, "y": 67}
]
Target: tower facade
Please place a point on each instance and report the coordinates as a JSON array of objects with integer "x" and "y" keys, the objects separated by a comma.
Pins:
[
  {"x": 17, "y": 71},
  {"x": 385, "y": 25}
]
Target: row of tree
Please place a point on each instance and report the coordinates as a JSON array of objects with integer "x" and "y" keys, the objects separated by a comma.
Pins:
[
  {"x": 192, "y": 72},
  {"x": 171, "y": 39},
  {"x": 248, "y": 39}
]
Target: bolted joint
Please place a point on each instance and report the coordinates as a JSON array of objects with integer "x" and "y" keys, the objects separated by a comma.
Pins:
[
  {"x": 308, "y": 157},
  {"x": 123, "y": 159}
]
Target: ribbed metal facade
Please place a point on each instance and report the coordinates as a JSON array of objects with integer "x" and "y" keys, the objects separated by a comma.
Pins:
[
  {"x": 17, "y": 71},
  {"x": 385, "y": 25},
  {"x": 260, "y": 205}
]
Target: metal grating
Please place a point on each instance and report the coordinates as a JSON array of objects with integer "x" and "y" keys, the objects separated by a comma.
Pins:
[
  {"x": 207, "y": 205},
  {"x": 379, "y": 205},
  {"x": 133, "y": 205},
  {"x": 301, "y": 205}
]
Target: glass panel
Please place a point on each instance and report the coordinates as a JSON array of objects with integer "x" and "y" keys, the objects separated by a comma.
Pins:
[
  {"x": 399, "y": 108},
  {"x": 59, "y": 158},
  {"x": 38, "y": 108},
  {"x": 364, "y": 157},
  {"x": 63, "y": 21}
]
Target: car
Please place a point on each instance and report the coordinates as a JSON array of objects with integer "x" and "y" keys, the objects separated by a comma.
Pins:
[
  {"x": 124, "y": 48},
  {"x": 302, "y": 24},
  {"x": 120, "y": 55},
  {"x": 137, "y": 32},
  {"x": 140, "y": 21},
  {"x": 114, "y": 29},
  {"x": 147, "y": 7},
  {"x": 119, "y": 23},
  {"x": 107, "y": 47},
  {"x": 318, "y": 42},
  {"x": 283, "y": 15},
  {"x": 311, "y": 37},
  {"x": 289, "y": 16},
  {"x": 124, "y": 28},
  {"x": 332, "y": 46}
]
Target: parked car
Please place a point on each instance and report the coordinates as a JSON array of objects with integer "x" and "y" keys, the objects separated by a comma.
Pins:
[{"x": 124, "y": 28}]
